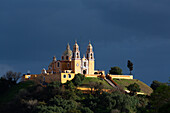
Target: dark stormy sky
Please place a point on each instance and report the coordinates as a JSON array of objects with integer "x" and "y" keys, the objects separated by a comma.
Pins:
[{"x": 33, "y": 31}]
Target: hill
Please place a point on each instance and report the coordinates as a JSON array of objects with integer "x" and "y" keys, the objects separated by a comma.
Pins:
[
  {"x": 125, "y": 82},
  {"x": 87, "y": 80},
  {"x": 121, "y": 82},
  {"x": 13, "y": 91}
]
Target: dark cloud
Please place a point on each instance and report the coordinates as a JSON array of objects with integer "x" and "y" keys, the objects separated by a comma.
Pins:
[
  {"x": 32, "y": 32},
  {"x": 141, "y": 18}
]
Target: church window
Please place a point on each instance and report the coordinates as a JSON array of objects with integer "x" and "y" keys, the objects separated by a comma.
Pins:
[
  {"x": 87, "y": 56},
  {"x": 91, "y": 56},
  {"x": 58, "y": 64},
  {"x": 64, "y": 76},
  {"x": 95, "y": 73},
  {"x": 68, "y": 65},
  {"x": 84, "y": 71},
  {"x": 69, "y": 76},
  {"x": 84, "y": 64},
  {"x": 77, "y": 55},
  {"x": 62, "y": 57},
  {"x": 66, "y": 57}
]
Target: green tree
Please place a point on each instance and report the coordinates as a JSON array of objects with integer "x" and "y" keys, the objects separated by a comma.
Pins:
[
  {"x": 77, "y": 80},
  {"x": 4, "y": 85},
  {"x": 92, "y": 85},
  {"x": 155, "y": 84},
  {"x": 69, "y": 85},
  {"x": 133, "y": 88},
  {"x": 55, "y": 84},
  {"x": 86, "y": 110},
  {"x": 82, "y": 77},
  {"x": 160, "y": 99},
  {"x": 115, "y": 70},
  {"x": 130, "y": 66}
]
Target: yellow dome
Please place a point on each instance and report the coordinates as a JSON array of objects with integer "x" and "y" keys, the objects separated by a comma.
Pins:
[{"x": 68, "y": 51}]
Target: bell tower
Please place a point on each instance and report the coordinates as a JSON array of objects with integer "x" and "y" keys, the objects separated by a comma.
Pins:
[
  {"x": 90, "y": 58},
  {"x": 76, "y": 60}
]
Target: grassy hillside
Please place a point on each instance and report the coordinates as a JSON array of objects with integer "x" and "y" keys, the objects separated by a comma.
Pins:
[
  {"x": 125, "y": 82},
  {"x": 13, "y": 91},
  {"x": 89, "y": 79}
]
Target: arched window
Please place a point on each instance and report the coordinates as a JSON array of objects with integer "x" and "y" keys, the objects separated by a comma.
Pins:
[
  {"x": 84, "y": 71},
  {"x": 68, "y": 65},
  {"x": 87, "y": 56},
  {"x": 84, "y": 64},
  {"x": 62, "y": 57},
  {"x": 101, "y": 73},
  {"x": 91, "y": 56},
  {"x": 69, "y": 76},
  {"x": 77, "y": 55},
  {"x": 64, "y": 76},
  {"x": 58, "y": 64},
  {"x": 66, "y": 57}
]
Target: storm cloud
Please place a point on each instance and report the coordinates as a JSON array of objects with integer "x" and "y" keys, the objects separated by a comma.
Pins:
[{"x": 32, "y": 32}]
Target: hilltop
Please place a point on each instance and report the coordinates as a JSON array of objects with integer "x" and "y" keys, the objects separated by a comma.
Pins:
[{"x": 125, "y": 82}]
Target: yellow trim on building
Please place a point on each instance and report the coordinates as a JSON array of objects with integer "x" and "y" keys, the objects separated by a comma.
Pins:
[
  {"x": 122, "y": 76},
  {"x": 66, "y": 76}
]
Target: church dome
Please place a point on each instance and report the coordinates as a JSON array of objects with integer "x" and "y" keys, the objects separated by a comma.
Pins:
[{"x": 68, "y": 51}]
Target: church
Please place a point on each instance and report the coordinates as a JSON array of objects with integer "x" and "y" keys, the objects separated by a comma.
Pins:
[{"x": 70, "y": 64}]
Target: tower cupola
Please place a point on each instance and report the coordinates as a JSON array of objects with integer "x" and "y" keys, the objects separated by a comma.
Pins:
[
  {"x": 89, "y": 52},
  {"x": 54, "y": 59},
  {"x": 76, "y": 52},
  {"x": 89, "y": 47}
]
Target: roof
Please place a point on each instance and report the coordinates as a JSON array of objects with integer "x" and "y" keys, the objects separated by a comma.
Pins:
[{"x": 68, "y": 51}]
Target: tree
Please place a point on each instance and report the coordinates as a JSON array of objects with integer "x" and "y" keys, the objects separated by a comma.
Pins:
[
  {"x": 160, "y": 100},
  {"x": 92, "y": 85},
  {"x": 12, "y": 77},
  {"x": 77, "y": 80},
  {"x": 4, "y": 85},
  {"x": 155, "y": 84},
  {"x": 98, "y": 87},
  {"x": 130, "y": 66},
  {"x": 133, "y": 88},
  {"x": 69, "y": 85},
  {"x": 115, "y": 70}
]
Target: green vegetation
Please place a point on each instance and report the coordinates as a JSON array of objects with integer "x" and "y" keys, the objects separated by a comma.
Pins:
[
  {"x": 155, "y": 84},
  {"x": 126, "y": 82},
  {"x": 130, "y": 66},
  {"x": 78, "y": 79},
  {"x": 160, "y": 100},
  {"x": 55, "y": 98},
  {"x": 133, "y": 88},
  {"x": 115, "y": 71},
  {"x": 86, "y": 82},
  {"x": 30, "y": 97},
  {"x": 13, "y": 91}
]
